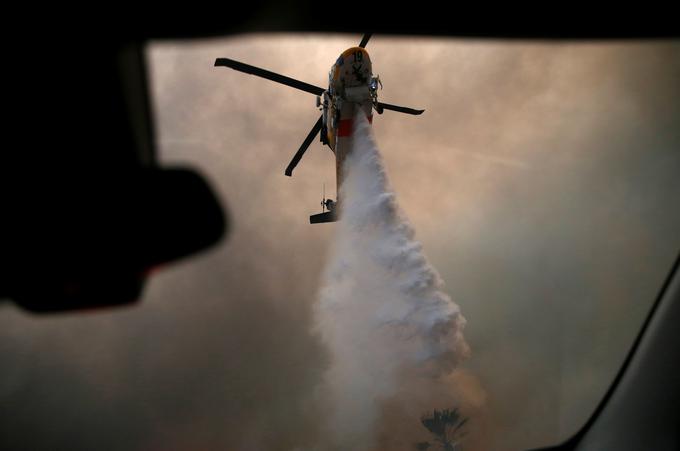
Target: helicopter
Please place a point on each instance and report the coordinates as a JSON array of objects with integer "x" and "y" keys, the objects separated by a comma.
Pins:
[{"x": 351, "y": 87}]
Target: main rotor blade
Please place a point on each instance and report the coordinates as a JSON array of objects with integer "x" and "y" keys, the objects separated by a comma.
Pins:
[
  {"x": 400, "y": 109},
  {"x": 248, "y": 69},
  {"x": 365, "y": 39},
  {"x": 303, "y": 148}
]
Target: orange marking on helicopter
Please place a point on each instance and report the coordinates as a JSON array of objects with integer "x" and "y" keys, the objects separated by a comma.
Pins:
[{"x": 345, "y": 126}]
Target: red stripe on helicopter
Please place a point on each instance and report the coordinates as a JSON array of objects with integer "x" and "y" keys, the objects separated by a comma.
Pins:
[{"x": 345, "y": 126}]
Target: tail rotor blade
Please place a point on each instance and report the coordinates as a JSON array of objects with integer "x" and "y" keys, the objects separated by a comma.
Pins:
[
  {"x": 401, "y": 109},
  {"x": 365, "y": 39},
  {"x": 303, "y": 148}
]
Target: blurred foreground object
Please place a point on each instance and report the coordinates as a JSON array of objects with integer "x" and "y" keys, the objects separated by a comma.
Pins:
[
  {"x": 92, "y": 240},
  {"x": 86, "y": 210}
]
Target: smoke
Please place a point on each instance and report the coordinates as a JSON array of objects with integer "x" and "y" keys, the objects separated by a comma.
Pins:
[
  {"x": 543, "y": 188},
  {"x": 394, "y": 336}
]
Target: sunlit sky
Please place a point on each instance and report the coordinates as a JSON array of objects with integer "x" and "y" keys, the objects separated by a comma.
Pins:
[{"x": 542, "y": 180}]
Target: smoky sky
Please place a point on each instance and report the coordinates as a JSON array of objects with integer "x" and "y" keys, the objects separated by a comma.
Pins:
[{"x": 542, "y": 180}]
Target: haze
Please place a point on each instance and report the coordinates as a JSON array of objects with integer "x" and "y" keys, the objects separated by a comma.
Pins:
[{"x": 542, "y": 180}]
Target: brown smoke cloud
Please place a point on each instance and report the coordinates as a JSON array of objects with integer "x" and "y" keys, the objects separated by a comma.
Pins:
[{"x": 541, "y": 180}]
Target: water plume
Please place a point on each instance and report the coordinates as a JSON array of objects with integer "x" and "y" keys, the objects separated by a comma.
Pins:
[{"x": 394, "y": 336}]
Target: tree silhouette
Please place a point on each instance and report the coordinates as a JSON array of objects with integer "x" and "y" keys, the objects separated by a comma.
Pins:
[{"x": 446, "y": 426}]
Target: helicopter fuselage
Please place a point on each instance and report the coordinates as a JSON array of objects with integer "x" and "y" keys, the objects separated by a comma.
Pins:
[{"x": 351, "y": 86}]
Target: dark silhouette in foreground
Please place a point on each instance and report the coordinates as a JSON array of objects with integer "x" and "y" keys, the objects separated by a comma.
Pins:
[{"x": 445, "y": 425}]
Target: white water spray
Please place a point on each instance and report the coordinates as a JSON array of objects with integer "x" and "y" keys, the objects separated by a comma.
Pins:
[{"x": 394, "y": 336}]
